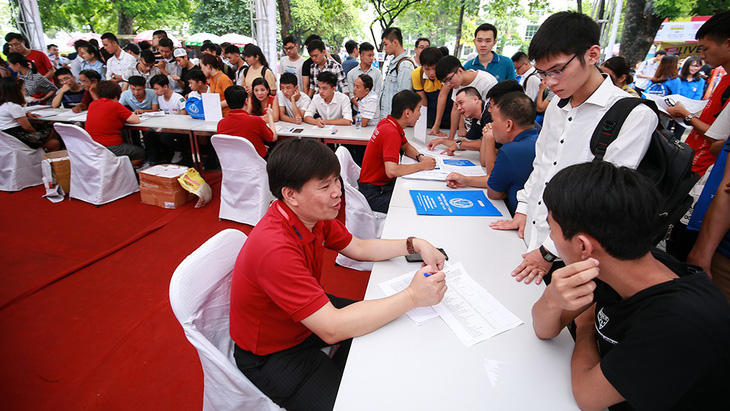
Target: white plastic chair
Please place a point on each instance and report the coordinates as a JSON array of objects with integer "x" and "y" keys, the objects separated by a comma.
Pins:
[
  {"x": 200, "y": 296},
  {"x": 360, "y": 219},
  {"x": 245, "y": 195},
  {"x": 20, "y": 165},
  {"x": 97, "y": 175}
]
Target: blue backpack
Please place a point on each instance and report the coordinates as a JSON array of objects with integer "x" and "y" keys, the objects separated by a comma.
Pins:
[{"x": 194, "y": 107}]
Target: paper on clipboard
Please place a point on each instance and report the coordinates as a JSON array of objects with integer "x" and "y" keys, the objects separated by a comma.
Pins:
[{"x": 212, "y": 106}]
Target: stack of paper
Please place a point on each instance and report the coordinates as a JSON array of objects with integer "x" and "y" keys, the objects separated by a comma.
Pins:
[{"x": 445, "y": 165}]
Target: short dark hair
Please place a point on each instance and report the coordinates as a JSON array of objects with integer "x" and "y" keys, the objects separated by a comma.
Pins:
[
  {"x": 14, "y": 36},
  {"x": 235, "y": 97},
  {"x": 63, "y": 71},
  {"x": 420, "y": 39},
  {"x": 717, "y": 28},
  {"x": 365, "y": 46},
  {"x": 162, "y": 33},
  {"x": 315, "y": 45},
  {"x": 195, "y": 75},
  {"x": 108, "y": 89},
  {"x": 393, "y": 33},
  {"x": 660, "y": 53},
  {"x": 208, "y": 46},
  {"x": 110, "y": 37},
  {"x": 444, "y": 50},
  {"x": 470, "y": 91},
  {"x": 232, "y": 49},
  {"x": 620, "y": 67},
  {"x": 518, "y": 107},
  {"x": 430, "y": 56},
  {"x": 287, "y": 40},
  {"x": 166, "y": 42},
  {"x": 520, "y": 55},
  {"x": 486, "y": 27},
  {"x": 402, "y": 100},
  {"x": 295, "y": 161},
  {"x": 500, "y": 89},
  {"x": 311, "y": 38},
  {"x": 367, "y": 81},
  {"x": 566, "y": 32},
  {"x": 327, "y": 77},
  {"x": 447, "y": 65},
  {"x": 210, "y": 60},
  {"x": 137, "y": 81},
  {"x": 619, "y": 207},
  {"x": 289, "y": 78},
  {"x": 92, "y": 75},
  {"x": 79, "y": 43},
  {"x": 133, "y": 48},
  {"x": 350, "y": 46},
  {"x": 48, "y": 47},
  {"x": 144, "y": 45},
  {"x": 147, "y": 56},
  {"x": 159, "y": 79}
]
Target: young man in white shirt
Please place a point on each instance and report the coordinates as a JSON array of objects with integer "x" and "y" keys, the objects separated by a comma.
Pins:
[
  {"x": 292, "y": 62},
  {"x": 646, "y": 71},
  {"x": 119, "y": 61},
  {"x": 366, "y": 100},
  {"x": 332, "y": 106},
  {"x": 367, "y": 55},
  {"x": 292, "y": 102},
  {"x": 233, "y": 54},
  {"x": 565, "y": 50},
  {"x": 169, "y": 101},
  {"x": 168, "y": 65},
  {"x": 529, "y": 80}
]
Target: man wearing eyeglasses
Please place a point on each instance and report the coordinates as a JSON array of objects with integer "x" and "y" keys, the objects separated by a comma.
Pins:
[
  {"x": 565, "y": 50},
  {"x": 528, "y": 74},
  {"x": 292, "y": 62},
  {"x": 16, "y": 42}
]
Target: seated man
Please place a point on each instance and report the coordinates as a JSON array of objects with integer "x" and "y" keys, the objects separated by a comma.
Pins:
[
  {"x": 169, "y": 101},
  {"x": 71, "y": 93},
  {"x": 380, "y": 166},
  {"x": 366, "y": 101},
  {"x": 292, "y": 102},
  {"x": 138, "y": 97},
  {"x": 512, "y": 126},
  {"x": 242, "y": 124},
  {"x": 650, "y": 331},
  {"x": 105, "y": 121},
  {"x": 146, "y": 68},
  {"x": 197, "y": 82},
  {"x": 332, "y": 106},
  {"x": 280, "y": 315}
]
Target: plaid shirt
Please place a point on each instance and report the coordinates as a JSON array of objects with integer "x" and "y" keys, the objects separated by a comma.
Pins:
[
  {"x": 333, "y": 67},
  {"x": 36, "y": 85}
]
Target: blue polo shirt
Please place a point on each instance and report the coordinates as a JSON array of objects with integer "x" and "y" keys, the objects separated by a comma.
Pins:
[
  {"x": 513, "y": 166},
  {"x": 500, "y": 67},
  {"x": 127, "y": 99}
]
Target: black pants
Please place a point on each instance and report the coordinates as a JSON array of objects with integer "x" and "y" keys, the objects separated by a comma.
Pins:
[
  {"x": 301, "y": 377},
  {"x": 378, "y": 196}
]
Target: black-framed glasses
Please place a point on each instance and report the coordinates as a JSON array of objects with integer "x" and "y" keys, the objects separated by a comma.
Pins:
[
  {"x": 554, "y": 73},
  {"x": 450, "y": 77}
]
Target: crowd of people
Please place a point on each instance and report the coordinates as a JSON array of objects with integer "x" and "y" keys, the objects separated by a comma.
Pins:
[{"x": 589, "y": 225}]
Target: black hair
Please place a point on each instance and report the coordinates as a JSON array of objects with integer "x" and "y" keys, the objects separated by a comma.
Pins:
[
  {"x": 447, "y": 65},
  {"x": 91, "y": 49},
  {"x": 208, "y": 46},
  {"x": 235, "y": 97},
  {"x": 14, "y": 36},
  {"x": 48, "y": 47},
  {"x": 500, "y": 89},
  {"x": 108, "y": 89},
  {"x": 717, "y": 28},
  {"x": 620, "y": 67},
  {"x": 289, "y": 78},
  {"x": 444, "y": 50},
  {"x": 162, "y": 33},
  {"x": 486, "y": 27},
  {"x": 350, "y": 46},
  {"x": 519, "y": 56},
  {"x": 225, "y": 44},
  {"x": 138, "y": 81},
  {"x": 195, "y": 75},
  {"x": 257, "y": 108},
  {"x": 92, "y": 75},
  {"x": 420, "y": 39},
  {"x": 159, "y": 79},
  {"x": 167, "y": 43},
  {"x": 518, "y": 107},
  {"x": 430, "y": 56},
  {"x": 393, "y": 33},
  {"x": 566, "y": 32},
  {"x": 18, "y": 58},
  {"x": 402, "y": 100},
  {"x": 367, "y": 81},
  {"x": 470, "y": 91},
  {"x": 147, "y": 56},
  {"x": 110, "y": 37},
  {"x": 79, "y": 43},
  {"x": 133, "y": 48},
  {"x": 254, "y": 50},
  {"x": 365, "y": 46},
  {"x": 660, "y": 53},
  {"x": 63, "y": 71},
  {"x": 11, "y": 91},
  {"x": 144, "y": 45},
  {"x": 327, "y": 78},
  {"x": 94, "y": 42},
  {"x": 316, "y": 45},
  {"x": 619, "y": 207},
  {"x": 287, "y": 40},
  {"x": 232, "y": 49},
  {"x": 311, "y": 38},
  {"x": 210, "y": 60},
  {"x": 684, "y": 75},
  {"x": 295, "y": 161}
]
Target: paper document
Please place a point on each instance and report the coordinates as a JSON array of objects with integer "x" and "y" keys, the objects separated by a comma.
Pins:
[
  {"x": 693, "y": 106},
  {"x": 78, "y": 117},
  {"x": 151, "y": 114},
  {"x": 421, "y": 314},
  {"x": 29, "y": 109},
  {"x": 212, "y": 107},
  {"x": 419, "y": 130},
  {"x": 453, "y": 203},
  {"x": 49, "y": 112},
  {"x": 445, "y": 165}
]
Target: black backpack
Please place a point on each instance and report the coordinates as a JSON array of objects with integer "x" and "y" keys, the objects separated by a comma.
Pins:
[{"x": 668, "y": 161}]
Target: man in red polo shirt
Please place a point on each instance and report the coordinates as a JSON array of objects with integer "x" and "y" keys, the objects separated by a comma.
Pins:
[
  {"x": 240, "y": 123},
  {"x": 380, "y": 165},
  {"x": 16, "y": 41},
  {"x": 280, "y": 315}
]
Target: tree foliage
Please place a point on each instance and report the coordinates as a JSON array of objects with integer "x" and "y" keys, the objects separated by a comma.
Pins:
[
  {"x": 221, "y": 17},
  {"x": 334, "y": 20}
]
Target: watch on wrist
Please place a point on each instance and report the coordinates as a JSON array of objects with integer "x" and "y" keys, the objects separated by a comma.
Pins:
[
  {"x": 547, "y": 255},
  {"x": 688, "y": 120},
  {"x": 418, "y": 158},
  {"x": 458, "y": 144},
  {"x": 409, "y": 245}
]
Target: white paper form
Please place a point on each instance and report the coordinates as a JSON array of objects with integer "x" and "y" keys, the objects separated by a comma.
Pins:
[
  {"x": 421, "y": 314},
  {"x": 693, "y": 106},
  {"x": 445, "y": 165}
]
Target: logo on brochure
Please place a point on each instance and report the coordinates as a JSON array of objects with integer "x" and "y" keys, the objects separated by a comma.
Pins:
[
  {"x": 461, "y": 203},
  {"x": 602, "y": 319}
]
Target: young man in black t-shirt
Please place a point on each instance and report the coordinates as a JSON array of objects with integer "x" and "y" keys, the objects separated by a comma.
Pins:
[{"x": 650, "y": 333}]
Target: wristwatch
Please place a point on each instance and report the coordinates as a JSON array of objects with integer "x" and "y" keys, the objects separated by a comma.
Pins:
[
  {"x": 458, "y": 144},
  {"x": 547, "y": 255},
  {"x": 688, "y": 120},
  {"x": 418, "y": 156},
  {"x": 409, "y": 245}
]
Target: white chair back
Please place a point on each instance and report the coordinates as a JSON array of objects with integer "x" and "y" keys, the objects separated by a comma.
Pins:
[
  {"x": 97, "y": 175},
  {"x": 349, "y": 170},
  {"x": 20, "y": 165},
  {"x": 200, "y": 296},
  {"x": 245, "y": 195}
]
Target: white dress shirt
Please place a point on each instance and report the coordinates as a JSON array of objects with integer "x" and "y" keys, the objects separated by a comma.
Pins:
[
  {"x": 531, "y": 83},
  {"x": 119, "y": 65},
  {"x": 338, "y": 108}
]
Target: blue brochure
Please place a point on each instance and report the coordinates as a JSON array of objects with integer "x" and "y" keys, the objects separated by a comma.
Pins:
[
  {"x": 464, "y": 203},
  {"x": 458, "y": 162}
]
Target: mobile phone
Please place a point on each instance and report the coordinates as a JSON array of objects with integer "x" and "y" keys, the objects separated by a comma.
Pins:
[
  {"x": 670, "y": 102},
  {"x": 416, "y": 257},
  {"x": 297, "y": 130}
]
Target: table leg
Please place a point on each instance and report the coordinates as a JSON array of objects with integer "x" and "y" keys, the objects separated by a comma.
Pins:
[{"x": 195, "y": 149}]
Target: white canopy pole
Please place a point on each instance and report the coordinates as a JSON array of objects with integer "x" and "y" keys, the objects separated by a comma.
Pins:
[
  {"x": 29, "y": 23},
  {"x": 266, "y": 30}
]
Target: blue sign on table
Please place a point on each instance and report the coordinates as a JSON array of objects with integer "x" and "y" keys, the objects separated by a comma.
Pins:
[
  {"x": 461, "y": 203},
  {"x": 458, "y": 162}
]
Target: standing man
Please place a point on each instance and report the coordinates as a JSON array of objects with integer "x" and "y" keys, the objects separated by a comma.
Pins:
[
  {"x": 233, "y": 54},
  {"x": 321, "y": 64},
  {"x": 119, "y": 62},
  {"x": 529, "y": 80},
  {"x": 167, "y": 65},
  {"x": 292, "y": 62},
  {"x": 501, "y": 67},
  {"x": 421, "y": 44},
  {"x": 367, "y": 55},
  {"x": 57, "y": 60},
  {"x": 16, "y": 42},
  {"x": 186, "y": 66},
  {"x": 400, "y": 69},
  {"x": 352, "y": 54},
  {"x": 646, "y": 71}
]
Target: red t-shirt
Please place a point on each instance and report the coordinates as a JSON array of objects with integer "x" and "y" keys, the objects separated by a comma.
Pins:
[
  {"x": 703, "y": 159},
  {"x": 41, "y": 60},
  {"x": 105, "y": 120},
  {"x": 252, "y": 128},
  {"x": 276, "y": 278},
  {"x": 384, "y": 145},
  {"x": 87, "y": 98}
]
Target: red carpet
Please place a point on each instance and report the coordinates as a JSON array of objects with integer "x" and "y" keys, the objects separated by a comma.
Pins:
[{"x": 86, "y": 320}]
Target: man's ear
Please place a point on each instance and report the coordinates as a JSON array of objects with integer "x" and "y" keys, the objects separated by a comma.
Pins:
[
  {"x": 290, "y": 196},
  {"x": 593, "y": 55},
  {"x": 586, "y": 244}
]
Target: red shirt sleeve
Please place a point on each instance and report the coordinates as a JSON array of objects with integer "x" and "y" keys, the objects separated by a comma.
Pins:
[
  {"x": 46, "y": 62},
  {"x": 86, "y": 99},
  {"x": 391, "y": 146},
  {"x": 265, "y": 132},
  {"x": 122, "y": 112},
  {"x": 336, "y": 236}
]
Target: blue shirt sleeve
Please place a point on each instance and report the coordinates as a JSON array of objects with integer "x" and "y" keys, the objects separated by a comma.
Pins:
[
  {"x": 150, "y": 98},
  {"x": 500, "y": 178},
  {"x": 511, "y": 74},
  {"x": 124, "y": 99}
]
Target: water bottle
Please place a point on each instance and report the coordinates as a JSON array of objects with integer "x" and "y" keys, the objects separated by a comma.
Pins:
[{"x": 358, "y": 121}]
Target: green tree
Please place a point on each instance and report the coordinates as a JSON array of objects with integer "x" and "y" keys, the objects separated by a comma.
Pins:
[
  {"x": 334, "y": 20},
  {"x": 221, "y": 16}
]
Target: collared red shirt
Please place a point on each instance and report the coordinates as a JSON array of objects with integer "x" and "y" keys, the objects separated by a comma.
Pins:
[
  {"x": 252, "y": 128},
  {"x": 384, "y": 145},
  {"x": 565, "y": 140},
  {"x": 333, "y": 67},
  {"x": 276, "y": 279},
  {"x": 374, "y": 74},
  {"x": 500, "y": 67},
  {"x": 119, "y": 65}
]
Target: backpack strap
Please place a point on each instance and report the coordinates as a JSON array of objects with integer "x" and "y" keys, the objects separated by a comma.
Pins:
[
  {"x": 397, "y": 65},
  {"x": 610, "y": 125}
]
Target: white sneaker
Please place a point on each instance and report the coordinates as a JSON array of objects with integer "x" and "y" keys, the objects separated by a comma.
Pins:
[{"x": 177, "y": 157}]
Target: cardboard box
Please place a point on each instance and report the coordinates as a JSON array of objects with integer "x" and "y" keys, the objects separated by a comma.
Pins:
[
  {"x": 158, "y": 186},
  {"x": 61, "y": 167}
]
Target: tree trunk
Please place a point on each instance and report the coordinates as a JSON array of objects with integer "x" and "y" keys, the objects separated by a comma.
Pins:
[
  {"x": 640, "y": 28},
  {"x": 287, "y": 24},
  {"x": 125, "y": 24},
  {"x": 457, "y": 47},
  {"x": 580, "y": 5}
]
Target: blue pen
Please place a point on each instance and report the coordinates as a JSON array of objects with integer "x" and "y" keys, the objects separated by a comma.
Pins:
[{"x": 428, "y": 274}]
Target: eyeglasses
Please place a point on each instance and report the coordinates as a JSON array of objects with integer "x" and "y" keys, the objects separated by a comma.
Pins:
[
  {"x": 15, "y": 45},
  {"x": 554, "y": 73},
  {"x": 290, "y": 48},
  {"x": 448, "y": 79}
]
